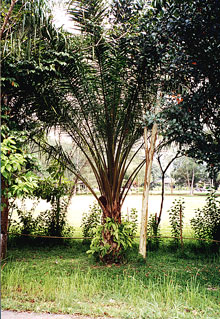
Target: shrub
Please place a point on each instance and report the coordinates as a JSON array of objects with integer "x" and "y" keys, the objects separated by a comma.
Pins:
[
  {"x": 206, "y": 224},
  {"x": 26, "y": 223},
  {"x": 153, "y": 232},
  {"x": 53, "y": 222},
  {"x": 120, "y": 235},
  {"x": 175, "y": 214},
  {"x": 91, "y": 220},
  {"x": 50, "y": 222},
  {"x": 132, "y": 218},
  {"x": 111, "y": 240}
]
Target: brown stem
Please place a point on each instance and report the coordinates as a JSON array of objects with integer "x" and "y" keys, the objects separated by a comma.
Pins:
[
  {"x": 4, "y": 217},
  {"x": 7, "y": 18},
  {"x": 163, "y": 178}
]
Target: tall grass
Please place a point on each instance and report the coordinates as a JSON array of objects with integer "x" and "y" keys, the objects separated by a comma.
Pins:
[{"x": 64, "y": 279}]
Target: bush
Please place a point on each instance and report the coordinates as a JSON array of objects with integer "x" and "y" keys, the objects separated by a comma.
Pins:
[
  {"x": 111, "y": 240},
  {"x": 26, "y": 223},
  {"x": 175, "y": 219},
  {"x": 49, "y": 223},
  {"x": 206, "y": 224},
  {"x": 119, "y": 234},
  {"x": 132, "y": 218},
  {"x": 153, "y": 232},
  {"x": 53, "y": 222},
  {"x": 91, "y": 220}
]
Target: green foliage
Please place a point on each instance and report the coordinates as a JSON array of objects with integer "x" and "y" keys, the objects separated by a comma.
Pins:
[
  {"x": 176, "y": 219},
  {"x": 111, "y": 240},
  {"x": 153, "y": 232},
  {"x": 191, "y": 31},
  {"x": 27, "y": 223},
  {"x": 185, "y": 169},
  {"x": 31, "y": 30},
  {"x": 91, "y": 220},
  {"x": 53, "y": 222},
  {"x": 54, "y": 189},
  {"x": 47, "y": 223},
  {"x": 49, "y": 189},
  {"x": 132, "y": 218},
  {"x": 17, "y": 166},
  {"x": 206, "y": 224}
]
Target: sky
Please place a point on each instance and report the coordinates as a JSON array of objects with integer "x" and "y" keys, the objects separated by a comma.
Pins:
[{"x": 61, "y": 18}]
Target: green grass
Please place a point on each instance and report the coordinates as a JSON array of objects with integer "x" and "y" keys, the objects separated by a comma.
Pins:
[{"x": 63, "y": 279}]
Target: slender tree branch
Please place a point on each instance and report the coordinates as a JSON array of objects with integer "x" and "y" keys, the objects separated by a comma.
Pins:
[{"x": 7, "y": 18}]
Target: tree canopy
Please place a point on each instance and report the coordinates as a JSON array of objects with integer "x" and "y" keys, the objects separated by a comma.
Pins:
[{"x": 191, "y": 31}]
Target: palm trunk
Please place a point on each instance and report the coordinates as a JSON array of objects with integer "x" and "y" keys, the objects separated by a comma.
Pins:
[
  {"x": 112, "y": 211},
  {"x": 149, "y": 150},
  {"x": 4, "y": 218}
]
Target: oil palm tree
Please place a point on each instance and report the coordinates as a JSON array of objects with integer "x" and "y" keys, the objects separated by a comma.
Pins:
[{"x": 100, "y": 96}]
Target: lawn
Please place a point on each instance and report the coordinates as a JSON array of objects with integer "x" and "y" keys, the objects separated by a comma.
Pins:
[
  {"x": 63, "y": 279},
  {"x": 81, "y": 203}
]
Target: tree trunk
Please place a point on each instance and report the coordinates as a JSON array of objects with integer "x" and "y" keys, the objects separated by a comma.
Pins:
[
  {"x": 4, "y": 218},
  {"x": 192, "y": 182},
  {"x": 162, "y": 198},
  {"x": 112, "y": 211},
  {"x": 163, "y": 171},
  {"x": 149, "y": 152},
  {"x": 188, "y": 181},
  {"x": 215, "y": 181},
  {"x": 171, "y": 186}
]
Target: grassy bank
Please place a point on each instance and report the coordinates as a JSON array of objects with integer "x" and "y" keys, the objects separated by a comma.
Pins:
[{"x": 64, "y": 279}]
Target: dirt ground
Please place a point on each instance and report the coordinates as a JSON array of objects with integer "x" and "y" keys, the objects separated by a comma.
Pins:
[{"x": 31, "y": 315}]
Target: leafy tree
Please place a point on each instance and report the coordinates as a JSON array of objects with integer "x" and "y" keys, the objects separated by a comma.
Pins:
[
  {"x": 55, "y": 189},
  {"x": 17, "y": 177},
  {"x": 25, "y": 35},
  {"x": 191, "y": 31},
  {"x": 187, "y": 172},
  {"x": 28, "y": 44},
  {"x": 188, "y": 94},
  {"x": 189, "y": 107}
]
